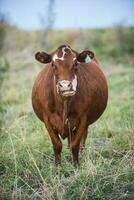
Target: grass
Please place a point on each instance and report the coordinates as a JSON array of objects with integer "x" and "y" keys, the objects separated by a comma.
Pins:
[{"x": 27, "y": 166}]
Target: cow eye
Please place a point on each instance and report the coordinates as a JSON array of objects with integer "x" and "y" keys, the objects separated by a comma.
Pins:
[
  {"x": 74, "y": 68},
  {"x": 75, "y": 63},
  {"x": 54, "y": 66}
]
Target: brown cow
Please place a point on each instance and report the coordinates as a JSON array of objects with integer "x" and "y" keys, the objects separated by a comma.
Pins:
[{"x": 69, "y": 94}]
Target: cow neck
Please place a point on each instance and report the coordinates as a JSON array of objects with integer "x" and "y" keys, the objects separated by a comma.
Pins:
[
  {"x": 65, "y": 111},
  {"x": 66, "y": 121}
]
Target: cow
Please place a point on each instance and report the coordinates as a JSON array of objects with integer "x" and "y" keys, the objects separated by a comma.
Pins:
[{"x": 68, "y": 95}]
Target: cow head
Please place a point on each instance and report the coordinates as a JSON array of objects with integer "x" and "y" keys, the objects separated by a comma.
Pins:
[{"x": 65, "y": 63}]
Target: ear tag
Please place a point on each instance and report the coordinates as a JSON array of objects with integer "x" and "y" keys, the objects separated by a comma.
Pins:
[{"x": 87, "y": 59}]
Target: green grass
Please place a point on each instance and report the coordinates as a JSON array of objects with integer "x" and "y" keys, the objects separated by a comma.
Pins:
[{"x": 27, "y": 167}]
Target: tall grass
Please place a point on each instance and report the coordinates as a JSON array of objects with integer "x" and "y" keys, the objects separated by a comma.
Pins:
[{"x": 27, "y": 163}]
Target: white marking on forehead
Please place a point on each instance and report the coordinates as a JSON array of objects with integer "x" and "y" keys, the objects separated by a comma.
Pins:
[
  {"x": 63, "y": 54},
  {"x": 74, "y": 83}
]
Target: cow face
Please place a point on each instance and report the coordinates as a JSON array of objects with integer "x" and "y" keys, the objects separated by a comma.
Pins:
[{"x": 65, "y": 62}]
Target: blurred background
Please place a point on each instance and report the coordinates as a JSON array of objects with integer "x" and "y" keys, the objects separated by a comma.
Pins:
[
  {"x": 105, "y": 27},
  {"x": 26, "y": 161}
]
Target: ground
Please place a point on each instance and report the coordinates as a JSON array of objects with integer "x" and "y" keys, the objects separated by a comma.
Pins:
[{"x": 27, "y": 169}]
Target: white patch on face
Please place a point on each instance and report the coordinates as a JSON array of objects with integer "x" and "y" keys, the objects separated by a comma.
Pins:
[
  {"x": 57, "y": 88},
  {"x": 74, "y": 83},
  {"x": 63, "y": 54}
]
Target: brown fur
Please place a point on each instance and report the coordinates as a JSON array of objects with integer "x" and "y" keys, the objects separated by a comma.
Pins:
[{"x": 84, "y": 108}]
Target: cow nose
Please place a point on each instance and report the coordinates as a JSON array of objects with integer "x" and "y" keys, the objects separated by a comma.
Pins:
[
  {"x": 65, "y": 85},
  {"x": 65, "y": 88}
]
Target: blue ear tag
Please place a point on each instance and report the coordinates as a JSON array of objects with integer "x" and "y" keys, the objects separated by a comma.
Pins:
[{"x": 87, "y": 59}]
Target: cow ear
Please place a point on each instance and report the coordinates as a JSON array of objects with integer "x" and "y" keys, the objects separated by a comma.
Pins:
[
  {"x": 43, "y": 57},
  {"x": 85, "y": 56}
]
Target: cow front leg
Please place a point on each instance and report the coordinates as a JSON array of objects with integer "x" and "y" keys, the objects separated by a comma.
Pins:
[
  {"x": 75, "y": 153},
  {"x": 83, "y": 139},
  {"x": 75, "y": 143},
  {"x": 57, "y": 151},
  {"x": 57, "y": 145}
]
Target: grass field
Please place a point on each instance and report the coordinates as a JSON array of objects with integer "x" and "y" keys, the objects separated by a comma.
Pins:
[{"x": 27, "y": 166}]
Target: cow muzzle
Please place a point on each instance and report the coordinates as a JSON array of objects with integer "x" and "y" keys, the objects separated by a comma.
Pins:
[{"x": 65, "y": 88}]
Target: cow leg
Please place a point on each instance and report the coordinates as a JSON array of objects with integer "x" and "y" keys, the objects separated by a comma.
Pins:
[
  {"x": 57, "y": 145},
  {"x": 75, "y": 143},
  {"x": 83, "y": 139},
  {"x": 75, "y": 154},
  {"x": 70, "y": 139}
]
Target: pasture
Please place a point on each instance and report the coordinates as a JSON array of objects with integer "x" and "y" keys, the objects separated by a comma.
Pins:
[{"x": 27, "y": 169}]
